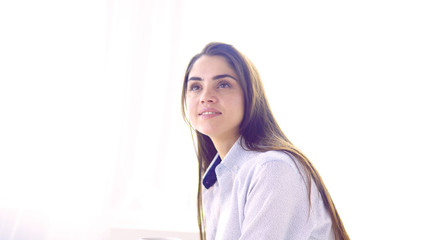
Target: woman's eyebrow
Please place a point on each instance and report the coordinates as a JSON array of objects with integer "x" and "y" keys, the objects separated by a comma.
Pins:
[
  {"x": 223, "y": 76},
  {"x": 214, "y": 78},
  {"x": 195, "y": 79}
]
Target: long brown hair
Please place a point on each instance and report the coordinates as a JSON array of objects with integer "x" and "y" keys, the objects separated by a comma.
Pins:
[{"x": 258, "y": 129}]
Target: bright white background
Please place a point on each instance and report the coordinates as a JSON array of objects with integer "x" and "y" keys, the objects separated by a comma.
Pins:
[{"x": 91, "y": 134}]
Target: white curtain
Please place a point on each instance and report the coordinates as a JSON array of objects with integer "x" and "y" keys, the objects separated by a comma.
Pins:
[{"x": 91, "y": 134}]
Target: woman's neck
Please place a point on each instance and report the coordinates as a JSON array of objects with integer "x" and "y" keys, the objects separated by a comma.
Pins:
[{"x": 223, "y": 145}]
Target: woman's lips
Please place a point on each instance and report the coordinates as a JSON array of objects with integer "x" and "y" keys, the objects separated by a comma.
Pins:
[{"x": 209, "y": 113}]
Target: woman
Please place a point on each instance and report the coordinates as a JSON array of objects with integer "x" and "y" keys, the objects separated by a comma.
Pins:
[{"x": 253, "y": 183}]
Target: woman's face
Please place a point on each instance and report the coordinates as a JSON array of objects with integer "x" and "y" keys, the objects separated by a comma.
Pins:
[{"x": 214, "y": 98}]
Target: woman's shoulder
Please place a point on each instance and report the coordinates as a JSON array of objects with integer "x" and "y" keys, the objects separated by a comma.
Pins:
[
  {"x": 242, "y": 160},
  {"x": 273, "y": 170},
  {"x": 269, "y": 161},
  {"x": 259, "y": 159}
]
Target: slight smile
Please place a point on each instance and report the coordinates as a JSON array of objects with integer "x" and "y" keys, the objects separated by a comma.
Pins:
[{"x": 209, "y": 113}]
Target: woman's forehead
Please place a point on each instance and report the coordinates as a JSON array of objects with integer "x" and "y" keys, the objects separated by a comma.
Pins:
[{"x": 209, "y": 66}]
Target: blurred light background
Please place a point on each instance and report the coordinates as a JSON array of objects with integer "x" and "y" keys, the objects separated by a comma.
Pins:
[{"x": 91, "y": 134}]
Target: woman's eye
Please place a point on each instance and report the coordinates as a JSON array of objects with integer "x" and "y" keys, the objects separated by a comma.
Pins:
[
  {"x": 194, "y": 87},
  {"x": 224, "y": 85}
]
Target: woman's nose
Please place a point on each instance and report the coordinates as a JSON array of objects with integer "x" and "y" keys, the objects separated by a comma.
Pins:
[{"x": 208, "y": 97}]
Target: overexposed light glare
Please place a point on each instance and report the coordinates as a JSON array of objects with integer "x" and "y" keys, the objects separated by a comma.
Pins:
[{"x": 92, "y": 137}]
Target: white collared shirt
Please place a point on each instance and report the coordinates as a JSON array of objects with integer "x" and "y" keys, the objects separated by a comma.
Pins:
[{"x": 262, "y": 195}]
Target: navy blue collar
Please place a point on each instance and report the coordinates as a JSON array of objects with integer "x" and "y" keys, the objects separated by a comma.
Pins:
[{"x": 210, "y": 178}]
